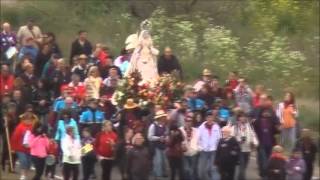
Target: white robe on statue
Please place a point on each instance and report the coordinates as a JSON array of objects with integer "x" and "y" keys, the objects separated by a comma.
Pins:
[{"x": 144, "y": 58}]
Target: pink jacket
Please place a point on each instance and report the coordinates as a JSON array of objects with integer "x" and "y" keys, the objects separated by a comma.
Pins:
[{"x": 39, "y": 146}]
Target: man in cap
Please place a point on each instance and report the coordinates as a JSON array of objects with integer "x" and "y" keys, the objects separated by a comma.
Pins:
[
  {"x": 157, "y": 135},
  {"x": 81, "y": 67},
  {"x": 129, "y": 116},
  {"x": 206, "y": 79}
]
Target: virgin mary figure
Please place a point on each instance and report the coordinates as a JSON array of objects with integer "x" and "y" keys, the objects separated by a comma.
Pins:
[{"x": 144, "y": 57}]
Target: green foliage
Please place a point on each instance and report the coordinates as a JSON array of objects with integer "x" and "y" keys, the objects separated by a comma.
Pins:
[
  {"x": 281, "y": 16},
  {"x": 174, "y": 31},
  {"x": 222, "y": 49},
  {"x": 271, "y": 57},
  {"x": 267, "y": 55}
]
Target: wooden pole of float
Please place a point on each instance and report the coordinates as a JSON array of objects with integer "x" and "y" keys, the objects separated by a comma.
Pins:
[{"x": 8, "y": 143}]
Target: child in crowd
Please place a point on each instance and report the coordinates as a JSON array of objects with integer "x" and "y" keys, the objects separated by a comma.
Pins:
[
  {"x": 296, "y": 166},
  {"x": 105, "y": 148},
  {"x": 276, "y": 168},
  {"x": 88, "y": 156},
  {"x": 71, "y": 150},
  {"x": 52, "y": 158},
  {"x": 38, "y": 143}
]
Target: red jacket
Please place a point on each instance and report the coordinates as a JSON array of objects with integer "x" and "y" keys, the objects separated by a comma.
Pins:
[
  {"x": 6, "y": 84},
  {"x": 102, "y": 144},
  {"x": 16, "y": 139},
  {"x": 256, "y": 100},
  {"x": 103, "y": 57},
  {"x": 53, "y": 148},
  {"x": 233, "y": 83},
  {"x": 78, "y": 91}
]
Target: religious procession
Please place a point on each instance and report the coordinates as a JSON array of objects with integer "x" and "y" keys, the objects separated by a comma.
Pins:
[{"x": 133, "y": 117}]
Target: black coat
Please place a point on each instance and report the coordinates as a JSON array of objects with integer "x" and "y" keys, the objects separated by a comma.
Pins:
[
  {"x": 82, "y": 72},
  {"x": 227, "y": 154},
  {"x": 37, "y": 96},
  {"x": 41, "y": 61},
  {"x": 77, "y": 48},
  {"x": 309, "y": 150},
  {"x": 168, "y": 65},
  {"x": 20, "y": 105},
  {"x": 58, "y": 79},
  {"x": 276, "y": 169},
  {"x": 139, "y": 164},
  {"x": 28, "y": 87},
  {"x": 55, "y": 49}
]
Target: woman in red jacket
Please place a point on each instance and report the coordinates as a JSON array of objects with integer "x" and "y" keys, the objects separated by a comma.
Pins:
[
  {"x": 6, "y": 80},
  {"x": 104, "y": 147},
  {"x": 19, "y": 140}
]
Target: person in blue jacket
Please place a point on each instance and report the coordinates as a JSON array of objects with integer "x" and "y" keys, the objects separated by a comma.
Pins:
[
  {"x": 224, "y": 113},
  {"x": 28, "y": 50},
  {"x": 92, "y": 117},
  {"x": 65, "y": 122},
  {"x": 195, "y": 103}
]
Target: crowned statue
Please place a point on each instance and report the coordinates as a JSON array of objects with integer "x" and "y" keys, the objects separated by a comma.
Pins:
[{"x": 144, "y": 56}]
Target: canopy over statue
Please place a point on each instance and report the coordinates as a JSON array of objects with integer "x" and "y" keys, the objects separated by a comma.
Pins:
[{"x": 144, "y": 57}]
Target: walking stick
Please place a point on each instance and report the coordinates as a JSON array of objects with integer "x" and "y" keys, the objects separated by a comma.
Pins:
[{"x": 8, "y": 143}]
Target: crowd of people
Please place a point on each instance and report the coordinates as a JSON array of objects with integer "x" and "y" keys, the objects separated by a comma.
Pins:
[{"x": 59, "y": 111}]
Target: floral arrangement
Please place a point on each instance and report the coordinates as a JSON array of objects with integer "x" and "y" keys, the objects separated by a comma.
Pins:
[{"x": 164, "y": 91}]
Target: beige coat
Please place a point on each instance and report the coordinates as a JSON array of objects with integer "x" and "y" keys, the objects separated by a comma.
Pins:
[
  {"x": 93, "y": 85},
  {"x": 192, "y": 145},
  {"x": 24, "y": 33}
]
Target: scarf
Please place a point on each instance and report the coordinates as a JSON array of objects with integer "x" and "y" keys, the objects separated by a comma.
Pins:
[
  {"x": 209, "y": 127},
  {"x": 243, "y": 130},
  {"x": 188, "y": 133}
]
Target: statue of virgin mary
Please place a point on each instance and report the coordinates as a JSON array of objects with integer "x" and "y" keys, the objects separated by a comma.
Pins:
[{"x": 144, "y": 56}]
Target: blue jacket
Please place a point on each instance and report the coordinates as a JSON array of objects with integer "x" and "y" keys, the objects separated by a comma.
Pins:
[
  {"x": 86, "y": 117},
  {"x": 196, "y": 104},
  {"x": 59, "y": 104},
  {"x": 62, "y": 129},
  {"x": 224, "y": 113},
  {"x": 32, "y": 51}
]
